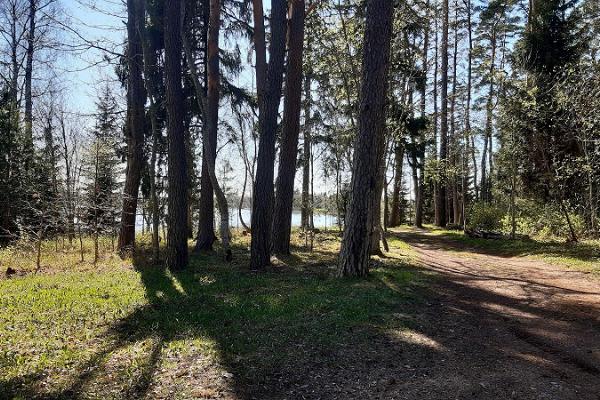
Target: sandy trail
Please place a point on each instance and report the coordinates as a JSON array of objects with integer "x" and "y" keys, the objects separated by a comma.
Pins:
[{"x": 533, "y": 327}]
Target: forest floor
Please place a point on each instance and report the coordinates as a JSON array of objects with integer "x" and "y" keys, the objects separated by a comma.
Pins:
[
  {"x": 508, "y": 323},
  {"x": 441, "y": 317}
]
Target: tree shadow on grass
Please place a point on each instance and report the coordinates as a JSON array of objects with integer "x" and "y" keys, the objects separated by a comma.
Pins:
[{"x": 219, "y": 331}]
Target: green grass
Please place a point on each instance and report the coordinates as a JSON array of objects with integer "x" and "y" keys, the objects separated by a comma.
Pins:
[
  {"x": 584, "y": 256},
  {"x": 117, "y": 331}
]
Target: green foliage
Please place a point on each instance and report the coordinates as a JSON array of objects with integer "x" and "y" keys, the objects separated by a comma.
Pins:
[
  {"x": 553, "y": 39},
  {"x": 542, "y": 220},
  {"x": 485, "y": 217},
  {"x": 101, "y": 169}
]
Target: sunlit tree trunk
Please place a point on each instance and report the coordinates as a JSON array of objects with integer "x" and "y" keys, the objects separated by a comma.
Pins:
[
  {"x": 469, "y": 140},
  {"x": 455, "y": 153},
  {"x": 150, "y": 73},
  {"x": 489, "y": 121},
  {"x": 377, "y": 234},
  {"x": 136, "y": 99},
  {"x": 355, "y": 251},
  {"x": 436, "y": 67},
  {"x": 441, "y": 203},
  {"x": 209, "y": 106}
]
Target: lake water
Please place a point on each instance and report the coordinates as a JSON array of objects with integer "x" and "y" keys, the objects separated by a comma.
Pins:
[{"x": 322, "y": 221}]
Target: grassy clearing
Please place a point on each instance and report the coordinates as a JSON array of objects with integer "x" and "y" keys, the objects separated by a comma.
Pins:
[
  {"x": 126, "y": 329},
  {"x": 584, "y": 256}
]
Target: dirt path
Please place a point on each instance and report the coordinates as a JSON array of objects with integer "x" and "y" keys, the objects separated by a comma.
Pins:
[
  {"x": 491, "y": 328},
  {"x": 508, "y": 327}
]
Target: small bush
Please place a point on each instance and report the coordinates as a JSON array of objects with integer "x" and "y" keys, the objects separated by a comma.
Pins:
[
  {"x": 543, "y": 220},
  {"x": 485, "y": 217}
]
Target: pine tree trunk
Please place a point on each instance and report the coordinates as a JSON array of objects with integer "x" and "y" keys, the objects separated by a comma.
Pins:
[
  {"x": 135, "y": 125},
  {"x": 468, "y": 130},
  {"x": 420, "y": 181},
  {"x": 150, "y": 71},
  {"x": 28, "y": 83},
  {"x": 307, "y": 149},
  {"x": 436, "y": 184},
  {"x": 455, "y": 157},
  {"x": 282, "y": 215},
  {"x": 262, "y": 207},
  {"x": 209, "y": 106},
  {"x": 489, "y": 125},
  {"x": 376, "y": 230},
  {"x": 259, "y": 49},
  {"x": 395, "y": 215},
  {"x": 212, "y": 118},
  {"x": 355, "y": 251},
  {"x": 206, "y": 212},
  {"x": 441, "y": 203},
  {"x": 177, "y": 248},
  {"x": 414, "y": 164}
]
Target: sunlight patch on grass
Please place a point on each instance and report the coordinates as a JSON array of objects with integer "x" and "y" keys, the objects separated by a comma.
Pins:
[{"x": 118, "y": 330}]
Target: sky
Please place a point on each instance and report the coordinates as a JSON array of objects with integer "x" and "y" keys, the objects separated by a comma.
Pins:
[{"x": 85, "y": 72}]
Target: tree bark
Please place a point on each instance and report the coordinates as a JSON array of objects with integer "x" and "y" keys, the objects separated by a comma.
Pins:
[
  {"x": 212, "y": 119},
  {"x": 206, "y": 215},
  {"x": 288, "y": 153},
  {"x": 468, "y": 130},
  {"x": 177, "y": 248},
  {"x": 28, "y": 83},
  {"x": 136, "y": 99},
  {"x": 355, "y": 251},
  {"x": 209, "y": 106},
  {"x": 150, "y": 73},
  {"x": 307, "y": 149},
  {"x": 455, "y": 154},
  {"x": 441, "y": 203},
  {"x": 262, "y": 207},
  {"x": 436, "y": 184},
  {"x": 395, "y": 215},
  {"x": 260, "y": 49},
  {"x": 414, "y": 164},
  {"x": 486, "y": 155},
  {"x": 420, "y": 161},
  {"x": 377, "y": 234},
  {"x": 206, "y": 211}
]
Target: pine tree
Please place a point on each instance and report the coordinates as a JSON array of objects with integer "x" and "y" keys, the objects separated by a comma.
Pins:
[
  {"x": 355, "y": 252},
  {"x": 101, "y": 171}
]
